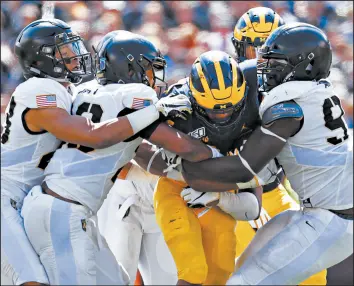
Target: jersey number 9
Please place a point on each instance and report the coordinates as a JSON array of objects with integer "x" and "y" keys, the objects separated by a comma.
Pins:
[{"x": 330, "y": 105}]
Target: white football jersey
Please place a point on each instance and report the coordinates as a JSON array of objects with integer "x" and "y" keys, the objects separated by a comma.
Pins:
[
  {"x": 85, "y": 174},
  {"x": 24, "y": 153},
  {"x": 316, "y": 160}
]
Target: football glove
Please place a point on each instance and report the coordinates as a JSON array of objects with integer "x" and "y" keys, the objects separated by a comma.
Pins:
[
  {"x": 195, "y": 199},
  {"x": 178, "y": 106},
  {"x": 262, "y": 220}
]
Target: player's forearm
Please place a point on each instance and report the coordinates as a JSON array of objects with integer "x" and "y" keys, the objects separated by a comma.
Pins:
[
  {"x": 196, "y": 152},
  {"x": 149, "y": 161},
  {"x": 177, "y": 142},
  {"x": 80, "y": 130},
  {"x": 117, "y": 130},
  {"x": 110, "y": 132},
  {"x": 215, "y": 175},
  {"x": 259, "y": 149}
]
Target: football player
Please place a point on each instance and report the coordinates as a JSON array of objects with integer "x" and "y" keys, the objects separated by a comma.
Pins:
[
  {"x": 251, "y": 31},
  {"x": 59, "y": 215},
  {"x": 127, "y": 222},
  {"x": 303, "y": 127},
  {"x": 37, "y": 118},
  {"x": 225, "y": 105}
]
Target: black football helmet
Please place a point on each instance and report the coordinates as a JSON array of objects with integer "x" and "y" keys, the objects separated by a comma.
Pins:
[
  {"x": 125, "y": 57},
  {"x": 40, "y": 47},
  {"x": 294, "y": 52}
]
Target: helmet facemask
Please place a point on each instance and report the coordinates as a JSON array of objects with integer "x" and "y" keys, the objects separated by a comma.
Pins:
[
  {"x": 246, "y": 49},
  {"x": 157, "y": 71},
  {"x": 68, "y": 48},
  {"x": 275, "y": 68}
]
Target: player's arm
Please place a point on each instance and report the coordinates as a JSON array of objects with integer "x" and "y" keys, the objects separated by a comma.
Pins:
[
  {"x": 149, "y": 158},
  {"x": 175, "y": 141},
  {"x": 154, "y": 160},
  {"x": 82, "y": 131},
  {"x": 221, "y": 174},
  {"x": 185, "y": 146},
  {"x": 242, "y": 205}
]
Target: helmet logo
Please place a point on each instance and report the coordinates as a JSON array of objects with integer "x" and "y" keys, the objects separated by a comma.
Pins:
[
  {"x": 58, "y": 69},
  {"x": 102, "y": 64},
  {"x": 47, "y": 50}
]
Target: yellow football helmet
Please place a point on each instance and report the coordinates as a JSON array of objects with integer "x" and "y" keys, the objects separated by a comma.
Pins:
[
  {"x": 217, "y": 86},
  {"x": 252, "y": 30}
]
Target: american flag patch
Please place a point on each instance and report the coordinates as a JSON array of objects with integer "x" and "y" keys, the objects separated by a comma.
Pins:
[
  {"x": 49, "y": 100},
  {"x": 140, "y": 103}
]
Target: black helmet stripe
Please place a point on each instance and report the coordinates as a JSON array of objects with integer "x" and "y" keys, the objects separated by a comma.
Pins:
[
  {"x": 226, "y": 72},
  {"x": 209, "y": 71},
  {"x": 197, "y": 84}
]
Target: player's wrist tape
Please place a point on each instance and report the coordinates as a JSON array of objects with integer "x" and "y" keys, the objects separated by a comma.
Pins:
[
  {"x": 215, "y": 152},
  {"x": 241, "y": 206},
  {"x": 254, "y": 183},
  {"x": 152, "y": 159},
  {"x": 142, "y": 118}
]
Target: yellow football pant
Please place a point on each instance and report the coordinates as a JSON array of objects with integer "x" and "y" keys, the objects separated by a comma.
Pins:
[
  {"x": 201, "y": 241},
  {"x": 274, "y": 202}
]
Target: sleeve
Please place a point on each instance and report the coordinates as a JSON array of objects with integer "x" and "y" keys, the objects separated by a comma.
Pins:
[
  {"x": 292, "y": 90},
  {"x": 287, "y": 109},
  {"x": 136, "y": 96},
  {"x": 43, "y": 93}
]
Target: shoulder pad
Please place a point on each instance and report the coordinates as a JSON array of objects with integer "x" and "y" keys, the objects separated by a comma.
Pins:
[
  {"x": 136, "y": 90},
  {"x": 41, "y": 93},
  {"x": 287, "y": 109},
  {"x": 325, "y": 82}
]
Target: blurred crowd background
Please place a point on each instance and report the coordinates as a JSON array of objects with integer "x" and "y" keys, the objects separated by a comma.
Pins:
[{"x": 181, "y": 29}]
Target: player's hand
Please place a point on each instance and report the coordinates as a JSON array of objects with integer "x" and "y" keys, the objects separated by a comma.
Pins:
[
  {"x": 173, "y": 161},
  {"x": 262, "y": 220},
  {"x": 195, "y": 199},
  {"x": 178, "y": 106}
]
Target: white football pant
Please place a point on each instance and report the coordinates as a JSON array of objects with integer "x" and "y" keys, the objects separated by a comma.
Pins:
[
  {"x": 65, "y": 237},
  {"x": 19, "y": 261},
  {"x": 293, "y": 246},
  {"x": 129, "y": 226}
]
